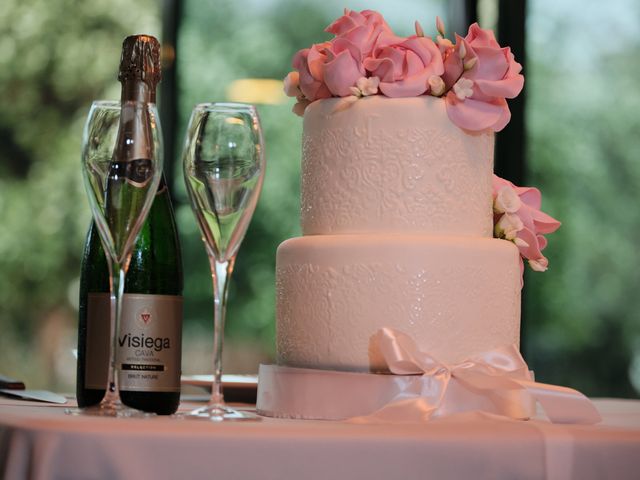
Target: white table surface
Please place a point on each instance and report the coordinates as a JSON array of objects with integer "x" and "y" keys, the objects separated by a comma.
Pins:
[{"x": 39, "y": 441}]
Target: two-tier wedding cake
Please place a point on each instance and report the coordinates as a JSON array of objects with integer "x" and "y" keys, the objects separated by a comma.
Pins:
[
  {"x": 398, "y": 232},
  {"x": 405, "y": 227}
]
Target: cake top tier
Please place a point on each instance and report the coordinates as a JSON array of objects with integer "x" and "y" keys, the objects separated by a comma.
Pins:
[
  {"x": 472, "y": 77},
  {"x": 398, "y": 135},
  {"x": 393, "y": 165}
]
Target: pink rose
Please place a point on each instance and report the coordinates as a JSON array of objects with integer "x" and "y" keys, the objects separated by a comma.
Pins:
[
  {"x": 528, "y": 229},
  {"x": 495, "y": 76},
  {"x": 362, "y": 29},
  {"x": 352, "y": 20},
  {"x": 309, "y": 62},
  {"x": 404, "y": 67},
  {"x": 343, "y": 67}
]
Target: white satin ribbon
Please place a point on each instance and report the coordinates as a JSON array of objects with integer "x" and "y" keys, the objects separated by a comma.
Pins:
[{"x": 498, "y": 381}]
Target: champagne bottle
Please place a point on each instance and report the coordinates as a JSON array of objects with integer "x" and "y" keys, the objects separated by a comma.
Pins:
[{"x": 149, "y": 341}]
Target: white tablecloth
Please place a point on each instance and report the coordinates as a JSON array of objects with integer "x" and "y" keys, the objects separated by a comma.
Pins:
[{"x": 38, "y": 441}]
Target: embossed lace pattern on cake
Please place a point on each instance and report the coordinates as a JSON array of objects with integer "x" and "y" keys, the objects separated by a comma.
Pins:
[
  {"x": 326, "y": 314},
  {"x": 422, "y": 180}
]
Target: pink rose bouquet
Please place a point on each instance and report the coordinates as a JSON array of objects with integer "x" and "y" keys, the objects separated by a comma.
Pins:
[
  {"x": 518, "y": 218},
  {"x": 474, "y": 76}
]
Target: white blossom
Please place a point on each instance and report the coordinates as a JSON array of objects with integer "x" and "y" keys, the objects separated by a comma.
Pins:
[
  {"x": 463, "y": 88},
  {"x": 507, "y": 201},
  {"x": 368, "y": 86},
  {"x": 539, "y": 264},
  {"x": 508, "y": 226},
  {"x": 436, "y": 85},
  {"x": 355, "y": 91}
]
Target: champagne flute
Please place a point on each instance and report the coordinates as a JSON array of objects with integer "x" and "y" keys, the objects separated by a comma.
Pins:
[
  {"x": 224, "y": 168},
  {"x": 122, "y": 164}
]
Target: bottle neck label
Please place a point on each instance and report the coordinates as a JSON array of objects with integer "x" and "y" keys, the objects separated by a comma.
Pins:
[{"x": 149, "y": 344}]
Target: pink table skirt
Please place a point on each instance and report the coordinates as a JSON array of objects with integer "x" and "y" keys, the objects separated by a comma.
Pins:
[{"x": 38, "y": 441}]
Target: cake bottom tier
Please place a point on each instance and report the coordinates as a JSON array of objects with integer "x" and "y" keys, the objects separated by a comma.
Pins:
[{"x": 455, "y": 296}]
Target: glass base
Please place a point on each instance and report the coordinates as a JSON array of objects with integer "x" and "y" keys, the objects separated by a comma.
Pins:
[
  {"x": 218, "y": 413},
  {"x": 109, "y": 409}
]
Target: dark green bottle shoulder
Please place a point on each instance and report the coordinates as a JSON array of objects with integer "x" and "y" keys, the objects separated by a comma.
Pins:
[{"x": 156, "y": 263}]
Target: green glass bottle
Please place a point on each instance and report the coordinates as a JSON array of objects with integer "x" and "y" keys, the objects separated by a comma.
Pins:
[{"x": 149, "y": 342}]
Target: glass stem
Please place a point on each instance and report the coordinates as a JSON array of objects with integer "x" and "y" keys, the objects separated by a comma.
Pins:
[
  {"x": 221, "y": 271},
  {"x": 116, "y": 283}
]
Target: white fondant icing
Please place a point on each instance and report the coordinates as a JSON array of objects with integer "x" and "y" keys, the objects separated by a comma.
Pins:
[
  {"x": 455, "y": 296},
  {"x": 393, "y": 165}
]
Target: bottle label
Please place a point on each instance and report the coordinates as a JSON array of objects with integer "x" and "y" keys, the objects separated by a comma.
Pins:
[{"x": 149, "y": 345}]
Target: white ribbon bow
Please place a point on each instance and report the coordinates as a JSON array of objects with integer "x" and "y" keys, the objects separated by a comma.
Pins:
[{"x": 499, "y": 379}]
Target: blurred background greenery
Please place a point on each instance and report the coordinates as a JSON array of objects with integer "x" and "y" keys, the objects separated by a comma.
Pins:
[{"x": 581, "y": 323}]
